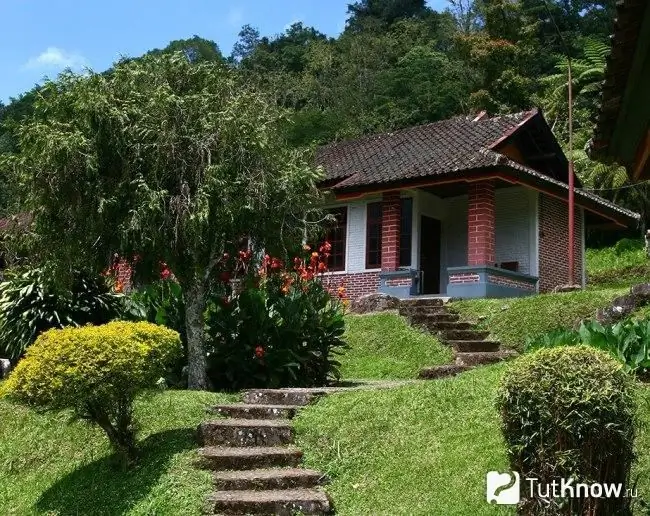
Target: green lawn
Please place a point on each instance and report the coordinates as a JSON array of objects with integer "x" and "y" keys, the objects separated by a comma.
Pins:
[
  {"x": 618, "y": 266},
  {"x": 49, "y": 465},
  {"x": 385, "y": 346},
  {"x": 512, "y": 321},
  {"x": 421, "y": 449}
]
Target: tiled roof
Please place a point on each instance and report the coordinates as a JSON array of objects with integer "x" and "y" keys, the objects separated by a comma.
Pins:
[
  {"x": 426, "y": 150},
  {"x": 457, "y": 145}
]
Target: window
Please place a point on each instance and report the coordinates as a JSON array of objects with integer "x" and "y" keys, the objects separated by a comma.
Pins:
[
  {"x": 373, "y": 236},
  {"x": 406, "y": 232},
  {"x": 336, "y": 236}
]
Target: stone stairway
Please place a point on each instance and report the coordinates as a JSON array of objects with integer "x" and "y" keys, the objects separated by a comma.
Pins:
[
  {"x": 470, "y": 345},
  {"x": 256, "y": 468}
]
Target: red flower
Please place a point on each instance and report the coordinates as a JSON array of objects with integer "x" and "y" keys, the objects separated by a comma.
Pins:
[
  {"x": 322, "y": 267},
  {"x": 165, "y": 273},
  {"x": 259, "y": 352},
  {"x": 276, "y": 264}
]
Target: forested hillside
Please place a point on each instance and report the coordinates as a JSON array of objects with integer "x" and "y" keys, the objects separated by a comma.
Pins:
[{"x": 400, "y": 63}]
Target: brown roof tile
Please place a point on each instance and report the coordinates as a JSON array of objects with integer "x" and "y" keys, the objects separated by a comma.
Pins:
[{"x": 426, "y": 150}]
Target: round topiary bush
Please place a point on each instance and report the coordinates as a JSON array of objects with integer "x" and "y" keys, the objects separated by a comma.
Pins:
[
  {"x": 96, "y": 371},
  {"x": 569, "y": 412}
]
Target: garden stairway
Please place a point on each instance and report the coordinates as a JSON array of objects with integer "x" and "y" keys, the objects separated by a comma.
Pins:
[
  {"x": 256, "y": 467},
  {"x": 470, "y": 345}
]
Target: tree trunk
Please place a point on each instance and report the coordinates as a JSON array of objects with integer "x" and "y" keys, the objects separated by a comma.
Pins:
[{"x": 197, "y": 376}]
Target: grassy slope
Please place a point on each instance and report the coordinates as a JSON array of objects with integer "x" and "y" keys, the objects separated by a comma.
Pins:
[
  {"x": 513, "y": 320},
  {"x": 385, "y": 346},
  {"x": 613, "y": 267},
  {"x": 421, "y": 449},
  {"x": 49, "y": 465}
]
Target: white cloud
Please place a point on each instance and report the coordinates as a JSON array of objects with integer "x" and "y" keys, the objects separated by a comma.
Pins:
[
  {"x": 54, "y": 58},
  {"x": 235, "y": 17}
]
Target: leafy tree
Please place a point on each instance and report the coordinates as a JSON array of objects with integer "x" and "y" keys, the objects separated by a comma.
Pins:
[
  {"x": 170, "y": 160},
  {"x": 195, "y": 49},
  {"x": 249, "y": 38},
  {"x": 382, "y": 13}
]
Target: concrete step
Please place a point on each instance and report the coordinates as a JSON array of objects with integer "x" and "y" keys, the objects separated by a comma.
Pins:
[
  {"x": 425, "y": 320},
  {"x": 449, "y": 326},
  {"x": 409, "y": 311},
  {"x": 245, "y": 432},
  {"x": 471, "y": 346},
  {"x": 284, "y": 502},
  {"x": 217, "y": 458},
  {"x": 273, "y": 478},
  {"x": 482, "y": 358},
  {"x": 248, "y": 411},
  {"x": 422, "y": 302},
  {"x": 442, "y": 371},
  {"x": 464, "y": 335},
  {"x": 293, "y": 397}
]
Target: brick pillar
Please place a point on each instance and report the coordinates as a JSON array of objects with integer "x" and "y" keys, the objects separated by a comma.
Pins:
[
  {"x": 480, "y": 221},
  {"x": 390, "y": 230}
]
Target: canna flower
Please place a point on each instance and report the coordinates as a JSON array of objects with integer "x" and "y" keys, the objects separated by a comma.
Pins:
[
  {"x": 119, "y": 287},
  {"x": 259, "y": 352}
]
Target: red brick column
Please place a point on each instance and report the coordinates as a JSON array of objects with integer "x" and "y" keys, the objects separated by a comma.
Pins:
[
  {"x": 480, "y": 221},
  {"x": 390, "y": 230}
]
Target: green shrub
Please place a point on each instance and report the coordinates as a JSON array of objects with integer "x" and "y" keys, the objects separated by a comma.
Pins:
[
  {"x": 569, "y": 412},
  {"x": 628, "y": 341},
  {"x": 31, "y": 303},
  {"x": 96, "y": 371},
  {"x": 285, "y": 332}
]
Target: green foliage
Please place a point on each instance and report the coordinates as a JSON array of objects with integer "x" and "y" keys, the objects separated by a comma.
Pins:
[
  {"x": 96, "y": 371},
  {"x": 569, "y": 412},
  {"x": 160, "y": 302},
  {"x": 32, "y": 302},
  {"x": 276, "y": 336},
  {"x": 627, "y": 341}
]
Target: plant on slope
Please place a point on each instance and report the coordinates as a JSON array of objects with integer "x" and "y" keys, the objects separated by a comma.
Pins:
[
  {"x": 570, "y": 412},
  {"x": 95, "y": 371},
  {"x": 31, "y": 302},
  {"x": 628, "y": 341}
]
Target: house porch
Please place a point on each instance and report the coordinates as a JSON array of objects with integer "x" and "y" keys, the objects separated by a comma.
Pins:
[{"x": 461, "y": 240}]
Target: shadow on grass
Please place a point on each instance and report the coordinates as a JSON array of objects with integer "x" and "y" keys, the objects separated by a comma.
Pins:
[{"x": 102, "y": 488}]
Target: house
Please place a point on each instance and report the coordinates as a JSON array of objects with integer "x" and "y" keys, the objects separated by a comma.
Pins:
[
  {"x": 466, "y": 207},
  {"x": 622, "y": 132}
]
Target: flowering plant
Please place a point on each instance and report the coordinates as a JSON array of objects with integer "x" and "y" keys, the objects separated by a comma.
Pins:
[{"x": 284, "y": 328}]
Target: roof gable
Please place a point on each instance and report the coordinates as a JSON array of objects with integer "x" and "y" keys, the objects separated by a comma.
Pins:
[{"x": 433, "y": 149}]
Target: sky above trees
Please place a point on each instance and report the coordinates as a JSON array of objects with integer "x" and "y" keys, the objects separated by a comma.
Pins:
[{"x": 41, "y": 38}]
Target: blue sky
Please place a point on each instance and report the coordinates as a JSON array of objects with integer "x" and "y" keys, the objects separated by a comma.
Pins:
[{"x": 41, "y": 37}]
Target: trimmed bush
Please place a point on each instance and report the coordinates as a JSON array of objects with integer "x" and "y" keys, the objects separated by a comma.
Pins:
[
  {"x": 96, "y": 371},
  {"x": 31, "y": 303},
  {"x": 569, "y": 412}
]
